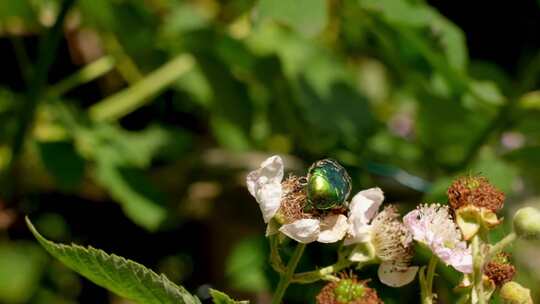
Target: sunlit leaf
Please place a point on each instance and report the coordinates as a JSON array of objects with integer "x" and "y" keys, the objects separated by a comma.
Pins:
[
  {"x": 219, "y": 297},
  {"x": 421, "y": 16},
  {"x": 306, "y": 16},
  {"x": 124, "y": 277}
]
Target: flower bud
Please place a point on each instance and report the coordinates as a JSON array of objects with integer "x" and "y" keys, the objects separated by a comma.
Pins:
[
  {"x": 527, "y": 223},
  {"x": 513, "y": 293}
]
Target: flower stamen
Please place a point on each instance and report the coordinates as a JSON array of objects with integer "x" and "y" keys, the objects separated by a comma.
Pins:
[
  {"x": 294, "y": 199},
  {"x": 391, "y": 239}
]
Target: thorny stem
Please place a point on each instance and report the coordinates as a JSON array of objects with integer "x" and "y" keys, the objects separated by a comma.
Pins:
[
  {"x": 478, "y": 264},
  {"x": 316, "y": 275},
  {"x": 285, "y": 278}
]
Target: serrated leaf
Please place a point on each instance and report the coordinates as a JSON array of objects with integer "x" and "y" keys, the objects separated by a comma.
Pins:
[
  {"x": 124, "y": 277},
  {"x": 219, "y": 297}
]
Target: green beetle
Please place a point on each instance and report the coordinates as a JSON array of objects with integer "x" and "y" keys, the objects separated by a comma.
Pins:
[{"x": 328, "y": 185}]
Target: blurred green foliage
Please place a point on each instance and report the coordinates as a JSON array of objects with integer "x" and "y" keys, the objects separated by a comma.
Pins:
[{"x": 161, "y": 106}]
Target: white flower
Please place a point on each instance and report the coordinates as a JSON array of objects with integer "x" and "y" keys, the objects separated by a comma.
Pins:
[
  {"x": 393, "y": 246},
  {"x": 433, "y": 226},
  {"x": 382, "y": 236},
  {"x": 363, "y": 208},
  {"x": 265, "y": 184}
]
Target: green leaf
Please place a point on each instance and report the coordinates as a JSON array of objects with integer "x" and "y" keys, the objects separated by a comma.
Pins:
[
  {"x": 306, "y": 16},
  {"x": 124, "y": 277},
  {"x": 530, "y": 101},
  {"x": 121, "y": 157},
  {"x": 141, "y": 201},
  {"x": 448, "y": 36},
  {"x": 221, "y": 298}
]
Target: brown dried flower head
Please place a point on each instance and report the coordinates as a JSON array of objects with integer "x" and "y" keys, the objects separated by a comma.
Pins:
[
  {"x": 476, "y": 191},
  {"x": 499, "y": 270},
  {"x": 348, "y": 290}
]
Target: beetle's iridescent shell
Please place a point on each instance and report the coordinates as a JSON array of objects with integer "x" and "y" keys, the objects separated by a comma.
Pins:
[{"x": 328, "y": 185}]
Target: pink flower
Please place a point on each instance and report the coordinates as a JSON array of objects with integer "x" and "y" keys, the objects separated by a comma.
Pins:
[{"x": 432, "y": 226}]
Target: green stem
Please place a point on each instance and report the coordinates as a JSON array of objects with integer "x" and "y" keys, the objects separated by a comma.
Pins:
[
  {"x": 125, "y": 65},
  {"x": 275, "y": 257},
  {"x": 507, "y": 240},
  {"x": 88, "y": 73},
  {"x": 137, "y": 95},
  {"x": 424, "y": 298},
  {"x": 316, "y": 275},
  {"x": 22, "y": 58},
  {"x": 285, "y": 278},
  {"x": 46, "y": 51},
  {"x": 463, "y": 299},
  {"x": 478, "y": 265},
  {"x": 426, "y": 280},
  {"x": 432, "y": 266}
]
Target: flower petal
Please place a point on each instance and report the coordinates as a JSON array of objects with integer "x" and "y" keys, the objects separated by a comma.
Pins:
[
  {"x": 365, "y": 203},
  {"x": 358, "y": 234},
  {"x": 303, "y": 231},
  {"x": 390, "y": 275},
  {"x": 459, "y": 257},
  {"x": 363, "y": 208},
  {"x": 265, "y": 185},
  {"x": 433, "y": 226},
  {"x": 413, "y": 223},
  {"x": 333, "y": 228}
]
